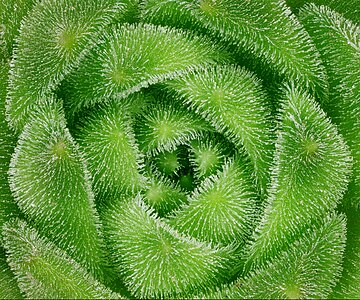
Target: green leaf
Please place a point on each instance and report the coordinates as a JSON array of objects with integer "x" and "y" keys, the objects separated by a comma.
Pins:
[
  {"x": 11, "y": 14},
  {"x": 131, "y": 57},
  {"x": 349, "y": 285},
  {"x": 266, "y": 36},
  {"x": 51, "y": 185},
  {"x": 8, "y": 284},
  {"x": 207, "y": 154},
  {"x": 338, "y": 41},
  {"x": 45, "y": 271},
  {"x": 310, "y": 175},
  {"x": 105, "y": 136},
  {"x": 166, "y": 124},
  {"x": 168, "y": 163},
  {"x": 163, "y": 195},
  {"x": 54, "y": 37},
  {"x": 308, "y": 270},
  {"x": 171, "y": 13},
  {"x": 155, "y": 260},
  {"x": 8, "y": 207},
  {"x": 222, "y": 209},
  {"x": 233, "y": 101},
  {"x": 350, "y": 9}
]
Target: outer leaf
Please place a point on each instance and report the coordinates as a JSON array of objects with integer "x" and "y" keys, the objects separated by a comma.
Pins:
[
  {"x": 11, "y": 14},
  {"x": 106, "y": 138},
  {"x": 338, "y": 41},
  {"x": 8, "y": 284},
  {"x": 312, "y": 166},
  {"x": 156, "y": 261},
  {"x": 233, "y": 101},
  {"x": 45, "y": 271},
  {"x": 53, "y": 39},
  {"x": 268, "y": 38},
  {"x": 222, "y": 209},
  {"x": 131, "y": 11},
  {"x": 51, "y": 185},
  {"x": 8, "y": 207},
  {"x": 350, "y": 9},
  {"x": 131, "y": 57},
  {"x": 308, "y": 270},
  {"x": 171, "y": 13},
  {"x": 349, "y": 284}
]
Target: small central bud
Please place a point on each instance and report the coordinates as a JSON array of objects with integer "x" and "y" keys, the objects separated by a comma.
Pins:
[
  {"x": 168, "y": 162},
  {"x": 67, "y": 40},
  {"x": 59, "y": 149},
  {"x": 208, "y": 7},
  {"x": 311, "y": 147},
  {"x": 207, "y": 162},
  {"x": 218, "y": 95},
  {"x": 165, "y": 131},
  {"x": 293, "y": 292},
  {"x": 154, "y": 194},
  {"x": 186, "y": 181},
  {"x": 118, "y": 76}
]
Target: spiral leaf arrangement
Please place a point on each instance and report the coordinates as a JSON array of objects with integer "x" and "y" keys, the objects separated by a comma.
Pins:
[{"x": 179, "y": 149}]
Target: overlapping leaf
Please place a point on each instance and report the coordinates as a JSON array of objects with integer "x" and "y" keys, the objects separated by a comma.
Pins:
[
  {"x": 49, "y": 52},
  {"x": 105, "y": 136},
  {"x": 222, "y": 209},
  {"x": 156, "y": 261},
  {"x": 131, "y": 57},
  {"x": 51, "y": 185},
  {"x": 310, "y": 175},
  {"x": 308, "y": 270},
  {"x": 268, "y": 38},
  {"x": 234, "y": 102},
  {"x": 44, "y": 271},
  {"x": 338, "y": 41}
]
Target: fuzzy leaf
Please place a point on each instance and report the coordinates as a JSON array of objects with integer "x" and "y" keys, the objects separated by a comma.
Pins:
[
  {"x": 163, "y": 195},
  {"x": 264, "y": 31},
  {"x": 156, "y": 261},
  {"x": 51, "y": 186},
  {"x": 349, "y": 285},
  {"x": 338, "y": 41},
  {"x": 233, "y": 101},
  {"x": 45, "y": 271},
  {"x": 169, "y": 162},
  {"x": 53, "y": 39},
  {"x": 131, "y": 57},
  {"x": 222, "y": 209},
  {"x": 208, "y": 153},
  {"x": 8, "y": 284},
  {"x": 166, "y": 124},
  {"x": 308, "y": 270},
  {"x": 8, "y": 207},
  {"x": 172, "y": 13},
  {"x": 310, "y": 175},
  {"x": 11, "y": 14},
  {"x": 106, "y": 139},
  {"x": 350, "y": 9}
]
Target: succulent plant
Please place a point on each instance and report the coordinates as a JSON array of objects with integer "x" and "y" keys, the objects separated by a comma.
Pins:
[{"x": 179, "y": 149}]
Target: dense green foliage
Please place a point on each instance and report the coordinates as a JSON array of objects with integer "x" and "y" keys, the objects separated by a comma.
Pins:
[{"x": 179, "y": 149}]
